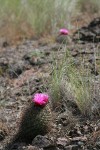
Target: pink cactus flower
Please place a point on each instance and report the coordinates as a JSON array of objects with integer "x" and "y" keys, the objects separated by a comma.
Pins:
[
  {"x": 64, "y": 31},
  {"x": 40, "y": 99}
]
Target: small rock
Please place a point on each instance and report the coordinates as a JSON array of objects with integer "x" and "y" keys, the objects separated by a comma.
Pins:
[
  {"x": 72, "y": 147},
  {"x": 62, "y": 141},
  {"x": 15, "y": 146},
  {"x": 41, "y": 141},
  {"x": 80, "y": 143},
  {"x": 84, "y": 139},
  {"x": 36, "y": 58},
  {"x": 30, "y": 147}
]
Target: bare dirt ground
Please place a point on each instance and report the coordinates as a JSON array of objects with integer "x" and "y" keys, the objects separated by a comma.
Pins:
[{"x": 24, "y": 70}]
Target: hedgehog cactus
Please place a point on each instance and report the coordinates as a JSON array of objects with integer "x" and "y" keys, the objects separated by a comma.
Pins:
[
  {"x": 64, "y": 31},
  {"x": 36, "y": 120}
]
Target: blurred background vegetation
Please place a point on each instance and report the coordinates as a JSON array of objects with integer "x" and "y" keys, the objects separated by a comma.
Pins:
[
  {"x": 26, "y": 18},
  {"x": 42, "y": 17}
]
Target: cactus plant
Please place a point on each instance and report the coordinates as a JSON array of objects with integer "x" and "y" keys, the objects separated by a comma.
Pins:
[{"x": 36, "y": 119}]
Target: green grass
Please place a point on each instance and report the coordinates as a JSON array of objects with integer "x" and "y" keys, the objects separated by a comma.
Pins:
[
  {"x": 43, "y": 17},
  {"x": 69, "y": 81}
]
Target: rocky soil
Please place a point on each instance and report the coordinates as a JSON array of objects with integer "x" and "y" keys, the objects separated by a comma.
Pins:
[{"x": 25, "y": 70}]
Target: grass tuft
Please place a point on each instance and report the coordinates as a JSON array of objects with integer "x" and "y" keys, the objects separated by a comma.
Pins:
[{"x": 71, "y": 83}]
